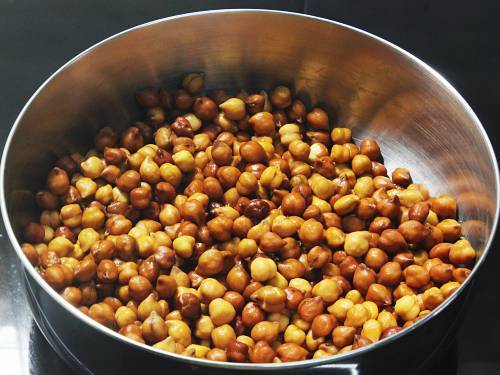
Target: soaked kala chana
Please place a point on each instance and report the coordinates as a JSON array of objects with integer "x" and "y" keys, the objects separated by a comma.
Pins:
[{"x": 244, "y": 228}]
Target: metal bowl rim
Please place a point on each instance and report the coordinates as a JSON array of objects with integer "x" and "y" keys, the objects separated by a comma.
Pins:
[{"x": 231, "y": 365}]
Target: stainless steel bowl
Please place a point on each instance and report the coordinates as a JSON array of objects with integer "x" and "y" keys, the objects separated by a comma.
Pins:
[{"x": 372, "y": 86}]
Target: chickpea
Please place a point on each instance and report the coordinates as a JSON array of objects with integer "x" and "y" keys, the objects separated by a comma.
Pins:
[
  {"x": 444, "y": 206},
  {"x": 263, "y": 269},
  {"x": 294, "y": 334},
  {"x": 343, "y": 336},
  {"x": 58, "y": 181},
  {"x": 328, "y": 290},
  {"x": 261, "y": 352},
  {"x": 407, "y": 307},
  {"x": 356, "y": 316},
  {"x": 357, "y": 243},
  {"x": 265, "y": 331},
  {"x": 322, "y": 325},
  {"x": 448, "y": 288},
  {"x": 210, "y": 262},
  {"x": 311, "y": 232},
  {"x": 309, "y": 308},
  {"x": 462, "y": 252},
  {"x": 183, "y": 246},
  {"x": 179, "y": 331},
  {"x": 270, "y": 298},
  {"x": 216, "y": 354},
  {"x": 222, "y": 336},
  {"x": 416, "y": 276},
  {"x": 103, "y": 314},
  {"x": 221, "y": 311},
  {"x": 188, "y": 304}
]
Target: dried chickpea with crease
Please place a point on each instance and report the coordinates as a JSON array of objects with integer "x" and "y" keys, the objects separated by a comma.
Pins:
[{"x": 244, "y": 227}]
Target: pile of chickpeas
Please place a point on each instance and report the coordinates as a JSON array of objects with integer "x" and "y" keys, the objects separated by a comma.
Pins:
[{"x": 244, "y": 228}]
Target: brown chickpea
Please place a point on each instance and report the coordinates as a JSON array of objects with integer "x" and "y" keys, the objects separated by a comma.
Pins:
[
  {"x": 205, "y": 108},
  {"x": 34, "y": 233},
  {"x": 139, "y": 287},
  {"x": 392, "y": 241},
  {"x": 442, "y": 273},
  {"x": 311, "y": 232},
  {"x": 107, "y": 271},
  {"x": 238, "y": 278},
  {"x": 261, "y": 352},
  {"x": 252, "y": 314},
  {"x": 318, "y": 256},
  {"x": 419, "y": 211},
  {"x": 309, "y": 308},
  {"x": 413, "y": 231},
  {"x": 290, "y": 352},
  {"x": 103, "y": 314},
  {"x": 257, "y": 209},
  {"x": 363, "y": 277},
  {"x": 237, "y": 351},
  {"x": 86, "y": 270},
  {"x": 379, "y": 224},
  {"x": 390, "y": 274},
  {"x": 318, "y": 119},
  {"x": 188, "y": 304},
  {"x": 293, "y": 298},
  {"x": 58, "y": 276},
  {"x": 401, "y": 177},
  {"x": 460, "y": 274},
  {"x": 390, "y": 331},
  {"x": 31, "y": 253},
  {"x": 293, "y": 204},
  {"x": 72, "y": 294},
  {"x": 262, "y": 123},
  {"x": 270, "y": 242},
  {"x": 444, "y": 206},
  {"x": 375, "y": 258},
  {"x": 343, "y": 336},
  {"x": 416, "y": 276},
  {"x": 370, "y": 148},
  {"x": 58, "y": 181},
  {"x": 379, "y": 294},
  {"x": 322, "y": 325},
  {"x": 291, "y": 268},
  {"x": 252, "y": 152},
  {"x": 165, "y": 286},
  {"x": 255, "y": 103},
  {"x": 235, "y": 299}
]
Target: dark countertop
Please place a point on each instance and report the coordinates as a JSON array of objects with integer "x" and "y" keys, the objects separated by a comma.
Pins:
[{"x": 460, "y": 39}]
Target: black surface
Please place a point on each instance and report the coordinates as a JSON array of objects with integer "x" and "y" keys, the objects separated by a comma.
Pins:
[{"x": 461, "y": 39}]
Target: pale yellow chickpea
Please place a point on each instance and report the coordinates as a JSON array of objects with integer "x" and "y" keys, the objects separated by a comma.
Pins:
[
  {"x": 204, "y": 327},
  {"x": 210, "y": 289},
  {"x": 355, "y": 296},
  {"x": 183, "y": 246},
  {"x": 372, "y": 308},
  {"x": 372, "y": 329},
  {"x": 179, "y": 331},
  {"x": 221, "y": 311},
  {"x": 301, "y": 284},
  {"x": 407, "y": 307},
  {"x": 263, "y": 269},
  {"x": 328, "y": 290},
  {"x": 294, "y": 334},
  {"x": 356, "y": 316},
  {"x": 387, "y": 319},
  {"x": 222, "y": 336},
  {"x": 340, "y": 307}
]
